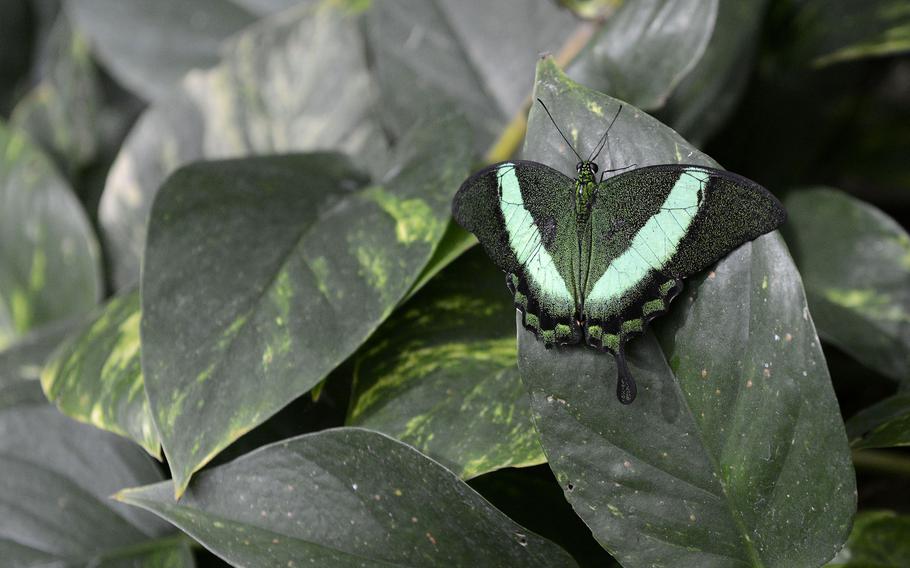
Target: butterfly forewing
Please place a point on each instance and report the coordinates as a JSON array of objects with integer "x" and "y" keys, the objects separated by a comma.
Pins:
[
  {"x": 523, "y": 215},
  {"x": 651, "y": 228}
]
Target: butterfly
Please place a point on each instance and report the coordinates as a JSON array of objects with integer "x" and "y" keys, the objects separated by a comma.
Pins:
[{"x": 594, "y": 261}]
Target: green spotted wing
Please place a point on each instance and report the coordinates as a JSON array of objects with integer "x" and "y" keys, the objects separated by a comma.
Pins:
[
  {"x": 650, "y": 228},
  {"x": 523, "y": 215}
]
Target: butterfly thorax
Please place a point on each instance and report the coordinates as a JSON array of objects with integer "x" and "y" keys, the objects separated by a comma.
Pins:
[{"x": 585, "y": 190}]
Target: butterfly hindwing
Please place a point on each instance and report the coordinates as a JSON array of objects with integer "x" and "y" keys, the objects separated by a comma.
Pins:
[
  {"x": 523, "y": 215},
  {"x": 652, "y": 227}
]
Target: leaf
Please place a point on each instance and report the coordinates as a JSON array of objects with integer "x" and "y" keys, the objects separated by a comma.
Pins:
[
  {"x": 882, "y": 425},
  {"x": 97, "y": 376},
  {"x": 432, "y": 56},
  {"x": 344, "y": 497},
  {"x": 853, "y": 30},
  {"x": 735, "y": 435},
  {"x": 645, "y": 49},
  {"x": 23, "y": 360},
  {"x": 855, "y": 261},
  {"x": 49, "y": 263},
  {"x": 879, "y": 540},
  {"x": 442, "y": 374},
  {"x": 455, "y": 242},
  {"x": 56, "y": 476},
  {"x": 21, "y": 392},
  {"x": 61, "y": 112},
  {"x": 21, "y": 363},
  {"x": 150, "y": 46},
  {"x": 709, "y": 93},
  {"x": 471, "y": 56},
  {"x": 275, "y": 90},
  {"x": 321, "y": 264}
]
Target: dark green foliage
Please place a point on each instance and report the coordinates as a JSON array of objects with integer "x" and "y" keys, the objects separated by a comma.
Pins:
[{"x": 226, "y": 232}]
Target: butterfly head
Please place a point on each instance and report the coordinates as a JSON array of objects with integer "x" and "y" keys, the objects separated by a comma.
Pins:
[{"x": 587, "y": 170}]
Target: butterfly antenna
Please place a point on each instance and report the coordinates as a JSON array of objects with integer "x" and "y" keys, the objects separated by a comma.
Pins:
[
  {"x": 560, "y": 131},
  {"x": 603, "y": 139}
]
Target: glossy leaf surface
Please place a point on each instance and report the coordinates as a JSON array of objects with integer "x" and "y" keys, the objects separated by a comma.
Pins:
[
  {"x": 880, "y": 539},
  {"x": 97, "y": 376},
  {"x": 851, "y": 30},
  {"x": 322, "y": 260},
  {"x": 645, "y": 49},
  {"x": 704, "y": 99},
  {"x": 24, "y": 359},
  {"x": 150, "y": 46},
  {"x": 855, "y": 261},
  {"x": 47, "y": 112},
  {"x": 442, "y": 374},
  {"x": 56, "y": 478},
  {"x": 473, "y": 55},
  {"x": 49, "y": 260},
  {"x": 307, "y": 75},
  {"x": 882, "y": 425},
  {"x": 344, "y": 497}
]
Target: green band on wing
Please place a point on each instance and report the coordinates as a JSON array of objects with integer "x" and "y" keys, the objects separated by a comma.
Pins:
[
  {"x": 655, "y": 243},
  {"x": 526, "y": 242}
]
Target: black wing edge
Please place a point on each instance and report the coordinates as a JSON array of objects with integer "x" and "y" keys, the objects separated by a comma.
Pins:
[
  {"x": 542, "y": 326},
  {"x": 627, "y": 315},
  {"x": 461, "y": 194},
  {"x": 780, "y": 214}
]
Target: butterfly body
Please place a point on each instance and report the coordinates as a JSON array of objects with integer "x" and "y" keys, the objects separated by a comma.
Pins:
[{"x": 595, "y": 261}]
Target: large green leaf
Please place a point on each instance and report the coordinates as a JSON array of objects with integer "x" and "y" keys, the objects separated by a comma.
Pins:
[
  {"x": 150, "y": 46},
  {"x": 442, "y": 374},
  {"x": 273, "y": 271},
  {"x": 855, "y": 261},
  {"x": 56, "y": 478},
  {"x": 298, "y": 81},
  {"x": 21, "y": 363},
  {"x": 344, "y": 497},
  {"x": 880, "y": 539},
  {"x": 705, "y": 98},
  {"x": 645, "y": 49},
  {"x": 49, "y": 260},
  {"x": 473, "y": 55},
  {"x": 849, "y": 30},
  {"x": 455, "y": 242},
  {"x": 97, "y": 376},
  {"x": 882, "y": 425},
  {"x": 735, "y": 436},
  {"x": 24, "y": 359},
  {"x": 61, "y": 112}
]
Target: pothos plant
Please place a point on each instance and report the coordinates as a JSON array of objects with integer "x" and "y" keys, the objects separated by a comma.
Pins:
[{"x": 292, "y": 356}]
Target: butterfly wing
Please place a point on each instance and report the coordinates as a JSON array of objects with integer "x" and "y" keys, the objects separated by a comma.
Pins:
[
  {"x": 652, "y": 227},
  {"x": 523, "y": 215}
]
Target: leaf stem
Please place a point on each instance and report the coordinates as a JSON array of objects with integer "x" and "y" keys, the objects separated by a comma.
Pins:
[
  {"x": 508, "y": 142},
  {"x": 882, "y": 462}
]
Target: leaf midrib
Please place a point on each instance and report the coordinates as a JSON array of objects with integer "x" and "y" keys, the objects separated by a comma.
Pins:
[{"x": 744, "y": 535}]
